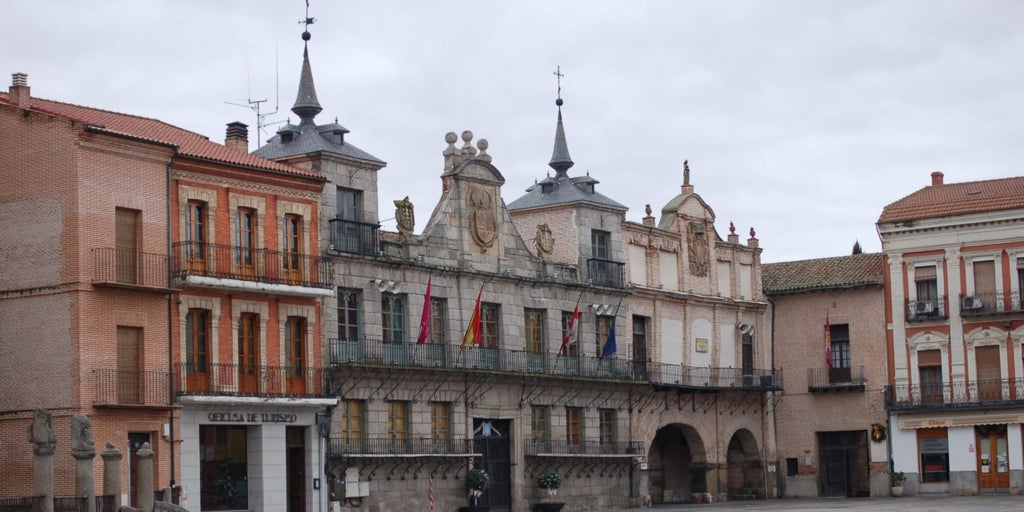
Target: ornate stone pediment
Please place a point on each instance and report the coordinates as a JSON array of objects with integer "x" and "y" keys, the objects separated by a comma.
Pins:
[
  {"x": 928, "y": 341},
  {"x": 985, "y": 336}
]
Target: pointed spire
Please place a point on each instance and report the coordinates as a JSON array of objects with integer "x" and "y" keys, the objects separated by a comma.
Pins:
[
  {"x": 306, "y": 105},
  {"x": 560, "y": 159}
]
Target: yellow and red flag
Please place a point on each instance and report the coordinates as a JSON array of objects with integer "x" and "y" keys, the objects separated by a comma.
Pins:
[{"x": 474, "y": 333}]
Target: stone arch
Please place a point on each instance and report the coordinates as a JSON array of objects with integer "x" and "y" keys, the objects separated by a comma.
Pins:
[
  {"x": 677, "y": 464},
  {"x": 745, "y": 470}
]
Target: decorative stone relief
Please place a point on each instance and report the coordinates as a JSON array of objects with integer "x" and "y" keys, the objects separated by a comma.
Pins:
[
  {"x": 697, "y": 240},
  {"x": 483, "y": 222},
  {"x": 985, "y": 336},
  {"x": 545, "y": 239},
  {"x": 928, "y": 341},
  {"x": 40, "y": 433},
  {"x": 404, "y": 216}
]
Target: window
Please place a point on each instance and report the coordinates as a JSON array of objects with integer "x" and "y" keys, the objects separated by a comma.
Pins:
[
  {"x": 534, "y": 330},
  {"x": 223, "y": 461},
  {"x": 607, "y": 430},
  {"x": 600, "y": 244},
  {"x": 840, "y": 336},
  {"x": 440, "y": 419},
  {"x": 292, "y": 243},
  {"x": 747, "y": 353},
  {"x": 248, "y": 352},
  {"x": 197, "y": 341},
  {"x": 640, "y": 345},
  {"x": 792, "y": 469},
  {"x": 353, "y": 419},
  {"x": 245, "y": 236},
  {"x": 348, "y": 314},
  {"x": 540, "y": 423},
  {"x": 572, "y": 349},
  {"x": 929, "y": 363},
  {"x": 126, "y": 242},
  {"x": 1020, "y": 284},
  {"x": 195, "y": 230},
  {"x": 574, "y": 426},
  {"x": 438, "y": 321},
  {"x": 604, "y": 324},
  {"x": 129, "y": 389},
  {"x": 933, "y": 445},
  {"x": 491, "y": 324},
  {"x": 295, "y": 354},
  {"x": 985, "y": 285},
  {"x": 927, "y": 287},
  {"x": 350, "y": 204},
  {"x": 393, "y": 317},
  {"x": 398, "y": 424}
]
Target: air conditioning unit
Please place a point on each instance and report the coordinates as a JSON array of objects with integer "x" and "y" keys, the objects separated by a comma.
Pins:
[
  {"x": 924, "y": 307},
  {"x": 973, "y": 302}
]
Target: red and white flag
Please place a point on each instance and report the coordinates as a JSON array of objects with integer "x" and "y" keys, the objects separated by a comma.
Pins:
[
  {"x": 425, "y": 317},
  {"x": 570, "y": 335}
]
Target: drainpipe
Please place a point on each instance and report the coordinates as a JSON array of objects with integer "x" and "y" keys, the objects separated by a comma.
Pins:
[
  {"x": 775, "y": 417},
  {"x": 170, "y": 330}
]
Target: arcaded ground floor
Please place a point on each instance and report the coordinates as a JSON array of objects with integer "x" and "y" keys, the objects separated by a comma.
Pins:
[{"x": 988, "y": 503}]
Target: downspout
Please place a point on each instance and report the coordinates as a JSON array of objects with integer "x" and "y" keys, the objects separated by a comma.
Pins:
[
  {"x": 170, "y": 316},
  {"x": 775, "y": 417}
]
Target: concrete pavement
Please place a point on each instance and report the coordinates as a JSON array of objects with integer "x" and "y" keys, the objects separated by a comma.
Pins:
[{"x": 988, "y": 503}]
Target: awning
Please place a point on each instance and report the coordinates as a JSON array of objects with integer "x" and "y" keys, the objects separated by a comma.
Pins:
[{"x": 939, "y": 420}]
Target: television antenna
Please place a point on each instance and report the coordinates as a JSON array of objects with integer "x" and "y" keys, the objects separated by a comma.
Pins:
[{"x": 256, "y": 104}]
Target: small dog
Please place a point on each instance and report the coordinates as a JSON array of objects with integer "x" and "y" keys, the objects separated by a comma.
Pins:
[{"x": 645, "y": 501}]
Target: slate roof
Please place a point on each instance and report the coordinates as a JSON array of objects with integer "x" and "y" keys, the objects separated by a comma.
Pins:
[
  {"x": 566, "y": 190},
  {"x": 189, "y": 144},
  {"x": 852, "y": 271},
  {"x": 956, "y": 199},
  {"x": 311, "y": 139}
]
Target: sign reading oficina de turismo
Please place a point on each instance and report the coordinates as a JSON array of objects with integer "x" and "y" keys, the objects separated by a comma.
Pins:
[{"x": 251, "y": 417}]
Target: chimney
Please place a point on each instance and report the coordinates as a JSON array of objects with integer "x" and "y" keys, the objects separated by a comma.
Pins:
[
  {"x": 20, "y": 93},
  {"x": 237, "y": 136},
  {"x": 936, "y": 178}
]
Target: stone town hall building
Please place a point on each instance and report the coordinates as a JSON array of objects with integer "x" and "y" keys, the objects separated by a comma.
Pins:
[{"x": 279, "y": 323}]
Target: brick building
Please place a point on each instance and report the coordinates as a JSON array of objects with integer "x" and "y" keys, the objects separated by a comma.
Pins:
[
  {"x": 831, "y": 423},
  {"x": 954, "y": 280}
]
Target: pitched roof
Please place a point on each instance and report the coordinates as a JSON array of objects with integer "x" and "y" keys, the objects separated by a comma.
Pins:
[
  {"x": 311, "y": 139},
  {"x": 956, "y": 199},
  {"x": 563, "y": 190},
  {"x": 189, "y": 144},
  {"x": 851, "y": 271}
]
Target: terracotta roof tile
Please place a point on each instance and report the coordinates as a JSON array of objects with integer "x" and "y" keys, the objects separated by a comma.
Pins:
[
  {"x": 189, "y": 144},
  {"x": 957, "y": 199},
  {"x": 851, "y": 271}
]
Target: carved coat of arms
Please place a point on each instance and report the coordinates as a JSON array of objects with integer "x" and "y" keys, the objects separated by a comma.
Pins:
[
  {"x": 404, "y": 216},
  {"x": 482, "y": 219},
  {"x": 545, "y": 240}
]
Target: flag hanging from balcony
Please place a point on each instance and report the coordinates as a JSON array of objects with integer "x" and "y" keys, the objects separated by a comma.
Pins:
[
  {"x": 474, "y": 334},
  {"x": 425, "y": 317},
  {"x": 609, "y": 344},
  {"x": 828, "y": 343},
  {"x": 570, "y": 335}
]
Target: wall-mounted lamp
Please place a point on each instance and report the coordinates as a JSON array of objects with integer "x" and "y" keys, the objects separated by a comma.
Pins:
[
  {"x": 601, "y": 309},
  {"x": 386, "y": 285}
]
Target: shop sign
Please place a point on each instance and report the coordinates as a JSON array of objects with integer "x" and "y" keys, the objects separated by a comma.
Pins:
[{"x": 251, "y": 417}]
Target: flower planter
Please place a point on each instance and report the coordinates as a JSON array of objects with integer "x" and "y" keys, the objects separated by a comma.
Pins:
[{"x": 548, "y": 507}]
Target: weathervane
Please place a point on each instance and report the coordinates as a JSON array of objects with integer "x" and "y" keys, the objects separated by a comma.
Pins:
[
  {"x": 307, "y": 22},
  {"x": 558, "y": 76}
]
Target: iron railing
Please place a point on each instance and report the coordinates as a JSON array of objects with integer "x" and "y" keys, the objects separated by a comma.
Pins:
[
  {"x": 355, "y": 237},
  {"x": 956, "y": 394},
  {"x": 834, "y": 379},
  {"x": 562, "y": 447},
  {"x": 990, "y": 303},
  {"x": 251, "y": 264},
  {"x": 128, "y": 267},
  {"x": 521, "y": 362},
  {"x": 340, "y": 446},
  {"x": 104, "y": 503},
  {"x": 919, "y": 310},
  {"x": 219, "y": 379},
  {"x": 602, "y": 272},
  {"x": 131, "y": 387}
]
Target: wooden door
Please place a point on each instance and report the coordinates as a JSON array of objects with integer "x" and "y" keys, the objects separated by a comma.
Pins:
[
  {"x": 245, "y": 243},
  {"x": 248, "y": 353},
  {"x": 127, "y": 245},
  {"x": 295, "y": 469},
  {"x": 197, "y": 350},
  {"x": 195, "y": 236},
  {"x": 985, "y": 285},
  {"x": 295, "y": 353},
  {"x": 990, "y": 386},
  {"x": 128, "y": 382},
  {"x": 993, "y": 457},
  {"x": 292, "y": 248}
]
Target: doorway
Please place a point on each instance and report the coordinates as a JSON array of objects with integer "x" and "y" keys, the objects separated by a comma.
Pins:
[
  {"x": 993, "y": 461},
  {"x": 135, "y": 442},
  {"x": 295, "y": 468},
  {"x": 491, "y": 440},
  {"x": 845, "y": 468}
]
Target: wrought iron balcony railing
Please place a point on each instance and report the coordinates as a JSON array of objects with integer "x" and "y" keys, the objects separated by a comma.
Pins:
[
  {"x": 249, "y": 264},
  {"x": 836, "y": 379},
  {"x": 564, "y": 447},
  {"x": 521, "y": 362},
  {"x": 990, "y": 303},
  {"x": 132, "y": 387},
  {"x": 606, "y": 272},
  {"x": 128, "y": 267},
  {"x": 342, "y": 446},
  {"x": 218, "y": 379},
  {"x": 920, "y": 310},
  {"x": 355, "y": 237},
  {"x": 956, "y": 394}
]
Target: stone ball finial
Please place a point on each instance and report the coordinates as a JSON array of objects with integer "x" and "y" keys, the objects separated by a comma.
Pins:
[
  {"x": 482, "y": 144},
  {"x": 451, "y": 138},
  {"x": 306, "y": 36},
  {"x": 559, "y": 102},
  {"x": 467, "y": 136}
]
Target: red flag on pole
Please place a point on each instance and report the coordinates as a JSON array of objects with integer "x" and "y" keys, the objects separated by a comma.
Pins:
[
  {"x": 474, "y": 334},
  {"x": 570, "y": 335},
  {"x": 828, "y": 342},
  {"x": 425, "y": 317}
]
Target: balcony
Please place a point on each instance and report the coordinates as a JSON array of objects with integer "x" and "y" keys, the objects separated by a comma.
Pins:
[
  {"x": 256, "y": 270},
  {"x": 836, "y": 379},
  {"x": 990, "y": 303},
  {"x": 354, "y": 237},
  {"x": 606, "y": 273},
  {"x": 921, "y": 310},
  {"x": 563, "y": 447},
  {"x": 384, "y": 446},
  {"x": 232, "y": 380},
  {"x": 131, "y": 388},
  {"x": 128, "y": 268},
  {"x": 955, "y": 395},
  {"x": 674, "y": 376}
]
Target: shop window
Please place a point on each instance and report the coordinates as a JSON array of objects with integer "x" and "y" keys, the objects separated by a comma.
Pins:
[
  {"x": 933, "y": 445},
  {"x": 223, "y": 468}
]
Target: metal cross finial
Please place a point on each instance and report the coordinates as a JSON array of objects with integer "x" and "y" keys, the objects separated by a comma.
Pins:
[
  {"x": 308, "y": 21},
  {"x": 559, "y": 75}
]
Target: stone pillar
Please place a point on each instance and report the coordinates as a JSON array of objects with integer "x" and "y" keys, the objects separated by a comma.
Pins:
[
  {"x": 84, "y": 451},
  {"x": 112, "y": 473},
  {"x": 145, "y": 493},
  {"x": 44, "y": 443}
]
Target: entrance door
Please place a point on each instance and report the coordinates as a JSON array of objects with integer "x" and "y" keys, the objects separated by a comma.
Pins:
[
  {"x": 845, "y": 470},
  {"x": 993, "y": 461},
  {"x": 491, "y": 439},
  {"x": 135, "y": 442},
  {"x": 295, "y": 468},
  {"x": 990, "y": 385}
]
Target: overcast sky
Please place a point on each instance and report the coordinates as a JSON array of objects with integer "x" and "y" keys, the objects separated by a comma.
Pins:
[{"x": 801, "y": 119}]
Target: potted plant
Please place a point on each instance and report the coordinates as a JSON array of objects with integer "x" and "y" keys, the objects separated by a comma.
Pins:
[
  {"x": 896, "y": 479},
  {"x": 550, "y": 481},
  {"x": 477, "y": 481}
]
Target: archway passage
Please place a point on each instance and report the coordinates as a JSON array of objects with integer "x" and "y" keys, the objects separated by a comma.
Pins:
[
  {"x": 745, "y": 470},
  {"x": 677, "y": 465}
]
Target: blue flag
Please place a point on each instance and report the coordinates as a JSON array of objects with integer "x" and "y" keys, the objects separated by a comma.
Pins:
[{"x": 609, "y": 344}]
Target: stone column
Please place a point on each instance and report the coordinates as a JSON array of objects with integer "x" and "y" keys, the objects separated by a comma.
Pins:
[
  {"x": 84, "y": 451},
  {"x": 112, "y": 473},
  {"x": 145, "y": 493},
  {"x": 44, "y": 443}
]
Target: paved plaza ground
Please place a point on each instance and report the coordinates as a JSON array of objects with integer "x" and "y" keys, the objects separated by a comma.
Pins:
[{"x": 989, "y": 503}]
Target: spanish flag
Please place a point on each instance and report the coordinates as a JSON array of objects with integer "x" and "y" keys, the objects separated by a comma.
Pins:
[{"x": 474, "y": 334}]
